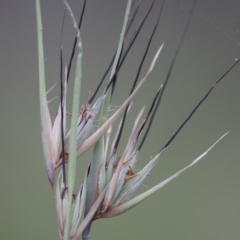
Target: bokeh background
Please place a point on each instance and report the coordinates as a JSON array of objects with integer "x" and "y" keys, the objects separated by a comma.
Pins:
[{"x": 203, "y": 203}]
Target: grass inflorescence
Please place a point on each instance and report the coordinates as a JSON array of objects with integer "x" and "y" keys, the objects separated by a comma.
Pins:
[{"x": 111, "y": 179}]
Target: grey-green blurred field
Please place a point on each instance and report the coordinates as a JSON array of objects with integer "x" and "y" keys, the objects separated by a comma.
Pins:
[{"x": 203, "y": 203}]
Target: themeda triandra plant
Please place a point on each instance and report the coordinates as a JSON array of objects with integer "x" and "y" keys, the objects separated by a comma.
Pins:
[{"x": 111, "y": 178}]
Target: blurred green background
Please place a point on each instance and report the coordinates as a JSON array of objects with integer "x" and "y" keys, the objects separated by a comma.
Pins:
[{"x": 203, "y": 203}]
